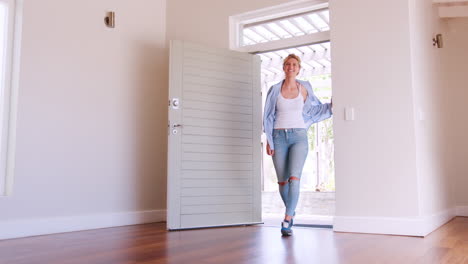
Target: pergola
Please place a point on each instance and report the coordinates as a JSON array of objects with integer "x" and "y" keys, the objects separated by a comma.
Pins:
[{"x": 308, "y": 27}]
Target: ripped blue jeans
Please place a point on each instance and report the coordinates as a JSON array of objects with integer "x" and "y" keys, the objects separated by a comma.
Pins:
[{"x": 291, "y": 148}]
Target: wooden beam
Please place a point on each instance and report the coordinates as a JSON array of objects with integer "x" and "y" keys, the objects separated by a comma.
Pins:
[{"x": 315, "y": 38}]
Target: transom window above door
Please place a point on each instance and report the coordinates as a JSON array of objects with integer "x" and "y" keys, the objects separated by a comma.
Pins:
[
  {"x": 299, "y": 27},
  {"x": 285, "y": 27}
]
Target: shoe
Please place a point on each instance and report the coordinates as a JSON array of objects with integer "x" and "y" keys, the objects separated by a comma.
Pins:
[{"x": 286, "y": 228}]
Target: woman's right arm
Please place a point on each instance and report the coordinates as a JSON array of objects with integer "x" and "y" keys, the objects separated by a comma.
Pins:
[{"x": 268, "y": 120}]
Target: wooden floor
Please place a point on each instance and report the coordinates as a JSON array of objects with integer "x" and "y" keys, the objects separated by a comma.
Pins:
[{"x": 151, "y": 243}]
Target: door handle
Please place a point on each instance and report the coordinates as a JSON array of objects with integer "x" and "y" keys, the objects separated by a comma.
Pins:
[{"x": 174, "y": 128}]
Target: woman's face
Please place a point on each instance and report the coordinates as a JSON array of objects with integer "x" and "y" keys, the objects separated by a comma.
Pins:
[{"x": 291, "y": 67}]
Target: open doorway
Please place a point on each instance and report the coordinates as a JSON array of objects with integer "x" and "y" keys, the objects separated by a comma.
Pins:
[
  {"x": 317, "y": 200},
  {"x": 302, "y": 28}
]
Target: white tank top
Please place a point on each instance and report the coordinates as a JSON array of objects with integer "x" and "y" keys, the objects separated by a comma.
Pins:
[{"x": 289, "y": 111}]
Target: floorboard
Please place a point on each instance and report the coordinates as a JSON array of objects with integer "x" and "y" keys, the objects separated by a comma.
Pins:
[{"x": 151, "y": 243}]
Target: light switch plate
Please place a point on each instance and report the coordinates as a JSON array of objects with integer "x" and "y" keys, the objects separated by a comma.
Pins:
[
  {"x": 349, "y": 113},
  {"x": 421, "y": 115}
]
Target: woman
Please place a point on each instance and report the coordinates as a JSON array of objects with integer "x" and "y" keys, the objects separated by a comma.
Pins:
[{"x": 290, "y": 109}]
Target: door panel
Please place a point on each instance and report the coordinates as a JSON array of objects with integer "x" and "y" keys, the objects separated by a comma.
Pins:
[{"x": 214, "y": 149}]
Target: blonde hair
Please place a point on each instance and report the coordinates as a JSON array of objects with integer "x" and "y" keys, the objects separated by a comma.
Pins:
[{"x": 292, "y": 56}]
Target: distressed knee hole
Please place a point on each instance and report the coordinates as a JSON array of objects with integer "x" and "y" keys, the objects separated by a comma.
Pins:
[
  {"x": 282, "y": 183},
  {"x": 292, "y": 178}
]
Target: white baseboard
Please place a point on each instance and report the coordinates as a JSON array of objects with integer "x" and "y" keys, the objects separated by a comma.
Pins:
[
  {"x": 462, "y": 210},
  {"x": 415, "y": 226},
  {"x": 44, "y": 226},
  {"x": 379, "y": 225},
  {"x": 435, "y": 221}
]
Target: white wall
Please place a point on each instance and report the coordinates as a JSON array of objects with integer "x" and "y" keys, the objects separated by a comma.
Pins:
[
  {"x": 207, "y": 21},
  {"x": 455, "y": 94},
  {"x": 436, "y": 195},
  {"x": 399, "y": 168},
  {"x": 91, "y": 135},
  {"x": 375, "y": 154}
]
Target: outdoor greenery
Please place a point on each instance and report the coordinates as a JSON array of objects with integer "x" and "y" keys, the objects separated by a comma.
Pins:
[{"x": 321, "y": 137}]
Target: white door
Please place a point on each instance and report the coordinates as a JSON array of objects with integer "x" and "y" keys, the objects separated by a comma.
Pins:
[{"x": 214, "y": 150}]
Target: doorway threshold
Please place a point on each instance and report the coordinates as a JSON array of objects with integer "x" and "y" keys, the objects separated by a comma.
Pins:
[{"x": 322, "y": 221}]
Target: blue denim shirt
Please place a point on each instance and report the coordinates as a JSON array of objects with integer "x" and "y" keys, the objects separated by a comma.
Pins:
[{"x": 314, "y": 111}]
